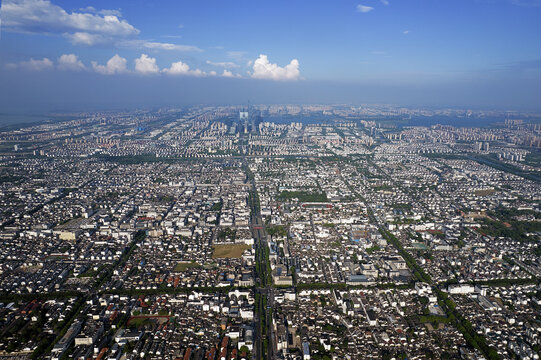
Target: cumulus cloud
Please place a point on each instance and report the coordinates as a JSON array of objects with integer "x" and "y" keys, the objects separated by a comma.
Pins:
[
  {"x": 227, "y": 73},
  {"x": 263, "y": 69},
  {"x": 37, "y": 65},
  {"x": 364, "y": 8},
  {"x": 181, "y": 68},
  {"x": 115, "y": 65},
  {"x": 43, "y": 17},
  {"x": 225, "y": 64},
  {"x": 70, "y": 62},
  {"x": 230, "y": 74},
  {"x": 146, "y": 65}
]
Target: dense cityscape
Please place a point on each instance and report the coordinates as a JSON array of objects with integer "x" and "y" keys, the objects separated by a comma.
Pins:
[{"x": 271, "y": 232}]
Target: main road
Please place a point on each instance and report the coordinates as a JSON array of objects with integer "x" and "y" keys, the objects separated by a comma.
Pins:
[{"x": 262, "y": 287}]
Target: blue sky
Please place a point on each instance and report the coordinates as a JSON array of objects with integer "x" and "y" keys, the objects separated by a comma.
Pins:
[{"x": 472, "y": 53}]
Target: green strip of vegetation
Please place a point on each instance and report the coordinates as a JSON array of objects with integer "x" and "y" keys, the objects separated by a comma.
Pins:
[
  {"x": 41, "y": 296},
  {"x": 303, "y": 196},
  {"x": 139, "y": 159},
  {"x": 473, "y": 339},
  {"x": 45, "y": 346},
  {"x": 106, "y": 275},
  {"x": 170, "y": 291}
]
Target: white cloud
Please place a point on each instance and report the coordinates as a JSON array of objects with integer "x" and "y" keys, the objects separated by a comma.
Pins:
[
  {"x": 178, "y": 68},
  {"x": 167, "y": 46},
  {"x": 263, "y": 69},
  {"x": 37, "y": 65},
  {"x": 70, "y": 62},
  {"x": 43, "y": 17},
  {"x": 181, "y": 68},
  {"x": 364, "y": 9},
  {"x": 385, "y": 2},
  {"x": 230, "y": 74},
  {"x": 92, "y": 9},
  {"x": 86, "y": 26},
  {"x": 154, "y": 45},
  {"x": 84, "y": 38},
  {"x": 405, "y": 32},
  {"x": 32, "y": 64},
  {"x": 227, "y": 73},
  {"x": 225, "y": 64},
  {"x": 114, "y": 12},
  {"x": 146, "y": 65},
  {"x": 115, "y": 65}
]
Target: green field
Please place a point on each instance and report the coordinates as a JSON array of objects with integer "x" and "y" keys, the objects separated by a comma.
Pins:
[
  {"x": 142, "y": 320},
  {"x": 229, "y": 251},
  {"x": 183, "y": 266}
]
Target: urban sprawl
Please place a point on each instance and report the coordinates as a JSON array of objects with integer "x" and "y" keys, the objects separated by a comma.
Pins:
[{"x": 271, "y": 232}]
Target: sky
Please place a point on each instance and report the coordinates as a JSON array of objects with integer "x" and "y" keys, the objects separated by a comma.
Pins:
[{"x": 77, "y": 55}]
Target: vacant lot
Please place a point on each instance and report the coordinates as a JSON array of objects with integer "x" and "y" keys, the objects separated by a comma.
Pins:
[
  {"x": 484, "y": 192},
  {"x": 229, "y": 250},
  {"x": 183, "y": 266}
]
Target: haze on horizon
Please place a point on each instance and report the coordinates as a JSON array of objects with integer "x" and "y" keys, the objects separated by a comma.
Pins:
[{"x": 70, "y": 55}]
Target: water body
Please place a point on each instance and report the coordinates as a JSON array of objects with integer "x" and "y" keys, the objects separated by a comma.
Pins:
[
  {"x": 451, "y": 120},
  {"x": 10, "y": 120},
  {"x": 507, "y": 168}
]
